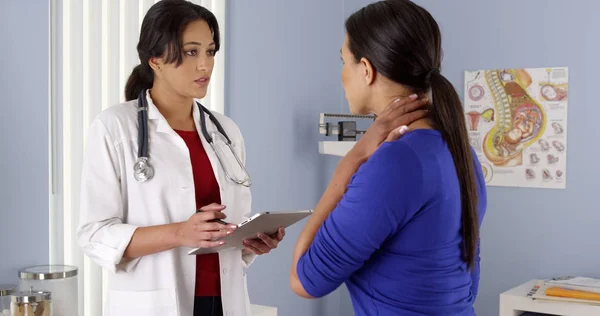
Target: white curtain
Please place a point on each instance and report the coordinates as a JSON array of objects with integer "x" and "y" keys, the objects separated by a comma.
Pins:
[{"x": 93, "y": 50}]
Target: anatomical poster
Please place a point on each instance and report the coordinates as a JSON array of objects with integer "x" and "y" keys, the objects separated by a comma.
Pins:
[{"x": 517, "y": 124}]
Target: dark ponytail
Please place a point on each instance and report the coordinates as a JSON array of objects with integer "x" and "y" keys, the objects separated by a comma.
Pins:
[
  {"x": 141, "y": 78},
  {"x": 448, "y": 117},
  {"x": 160, "y": 36},
  {"x": 402, "y": 42}
]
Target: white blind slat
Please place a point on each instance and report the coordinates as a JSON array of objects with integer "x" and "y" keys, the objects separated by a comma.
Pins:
[
  {"x": 92, "y": 61},
  {"x": 92, "y": 105},
  {"x": 72, "y": 118},
  {"x": 111, "y": 46},
  {"x": 129, "y": 35},
  {"x": 144, "y": 7}
]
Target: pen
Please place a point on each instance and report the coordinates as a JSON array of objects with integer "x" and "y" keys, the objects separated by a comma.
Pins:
[{"x": 216, "y": 220}]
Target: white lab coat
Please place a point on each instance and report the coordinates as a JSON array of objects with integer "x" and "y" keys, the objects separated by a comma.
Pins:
[{"x": 114, "y": 204}]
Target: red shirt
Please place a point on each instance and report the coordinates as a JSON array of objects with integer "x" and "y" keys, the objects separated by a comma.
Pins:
[{"x": 207, "y": 191}]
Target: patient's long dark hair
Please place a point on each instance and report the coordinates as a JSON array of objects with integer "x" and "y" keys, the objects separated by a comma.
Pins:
[
  {"x": 403, "y": 43},
  {"x": 160, "y": 36}
]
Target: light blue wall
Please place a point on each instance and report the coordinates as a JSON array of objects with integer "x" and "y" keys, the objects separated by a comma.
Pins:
[
  {"x": 283, "y": 68},
  {"x": 283, "y": 71},
  {"x": 23, "y": 136}
]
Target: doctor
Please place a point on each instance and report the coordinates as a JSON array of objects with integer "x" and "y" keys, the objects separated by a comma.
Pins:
[{"x": 157, "y": 169}]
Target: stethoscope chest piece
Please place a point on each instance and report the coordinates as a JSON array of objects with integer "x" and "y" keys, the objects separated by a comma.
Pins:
[{"x": 142, "y": 170}]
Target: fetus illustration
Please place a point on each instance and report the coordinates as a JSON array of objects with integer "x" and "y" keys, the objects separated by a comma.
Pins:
[
  {"x": 520, "y": 120},
  {"x": 558, "y": 129},
  {"x": 529, "y": 174},
  {"x": 558, "y": 145},
  {"x": 546, "y": 175},
  {"x": 553, "y": 91},
  {"x": 544, "y": 145}
]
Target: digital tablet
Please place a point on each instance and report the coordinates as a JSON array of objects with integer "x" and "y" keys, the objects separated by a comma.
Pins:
[{"x": 266, "y": 222}]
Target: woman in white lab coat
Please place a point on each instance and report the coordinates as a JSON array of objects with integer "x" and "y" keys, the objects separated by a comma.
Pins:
[{"x": 141, "y": 231}]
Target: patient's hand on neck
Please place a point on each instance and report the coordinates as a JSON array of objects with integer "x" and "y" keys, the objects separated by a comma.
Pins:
[{"x": 384, "y": 92}]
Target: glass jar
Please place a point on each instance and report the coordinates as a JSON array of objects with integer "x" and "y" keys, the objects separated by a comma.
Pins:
[
  {"x": 5, "y": 292},
  {"x": 31, "y": 303},
  {"x": 60, "y": 280}
]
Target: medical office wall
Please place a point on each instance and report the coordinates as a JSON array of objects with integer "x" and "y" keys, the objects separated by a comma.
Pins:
[
  {"x": 24, "y": 159},
  {"x": 282, "y": 69}
]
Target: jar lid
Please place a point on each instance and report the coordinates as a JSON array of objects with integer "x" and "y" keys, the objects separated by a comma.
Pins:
[
  {"x": 48, "y": 272},
  {"x": 7, "y": 289},
  {"x": 30, "y": 297},
  {"x": 46, "y": 296}
]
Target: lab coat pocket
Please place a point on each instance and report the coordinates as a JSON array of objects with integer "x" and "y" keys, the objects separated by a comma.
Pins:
[{"x": 147, "y": 303}]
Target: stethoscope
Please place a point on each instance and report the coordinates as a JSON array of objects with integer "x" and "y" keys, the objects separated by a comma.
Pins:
[{"x": 143, "y": 171}]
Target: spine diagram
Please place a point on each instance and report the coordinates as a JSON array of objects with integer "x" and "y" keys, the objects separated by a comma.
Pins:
[{"x": 520, "y": 120}]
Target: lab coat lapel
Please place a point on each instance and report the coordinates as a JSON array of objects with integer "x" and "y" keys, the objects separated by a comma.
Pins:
[
  {"x": 162, "y": 126},
  {"x": 154, "y": 115}
]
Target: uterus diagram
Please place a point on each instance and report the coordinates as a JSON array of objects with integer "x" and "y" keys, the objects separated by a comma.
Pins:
[
  {"x": 475, "y": 117},
  {"x": 520, "y": 120}
]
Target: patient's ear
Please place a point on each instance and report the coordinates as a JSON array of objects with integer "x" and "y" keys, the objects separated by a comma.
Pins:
[{"x": 368, "y": 71}]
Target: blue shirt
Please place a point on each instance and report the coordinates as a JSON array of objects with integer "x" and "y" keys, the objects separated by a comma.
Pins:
[{"x": 394, "y": 239}]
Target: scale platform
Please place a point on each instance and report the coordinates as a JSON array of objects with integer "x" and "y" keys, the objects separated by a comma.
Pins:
[{"x": 335, "y": 148}]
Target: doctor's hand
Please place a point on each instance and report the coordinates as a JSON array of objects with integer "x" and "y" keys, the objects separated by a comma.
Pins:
[
  {"x": 390, "y": 124},
  {"x": 264, "y": 243},
  {"x": 200, "y": 232}
]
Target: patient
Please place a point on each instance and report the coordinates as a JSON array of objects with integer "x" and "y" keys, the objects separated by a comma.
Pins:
[{"x": 399, "y": 222}]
